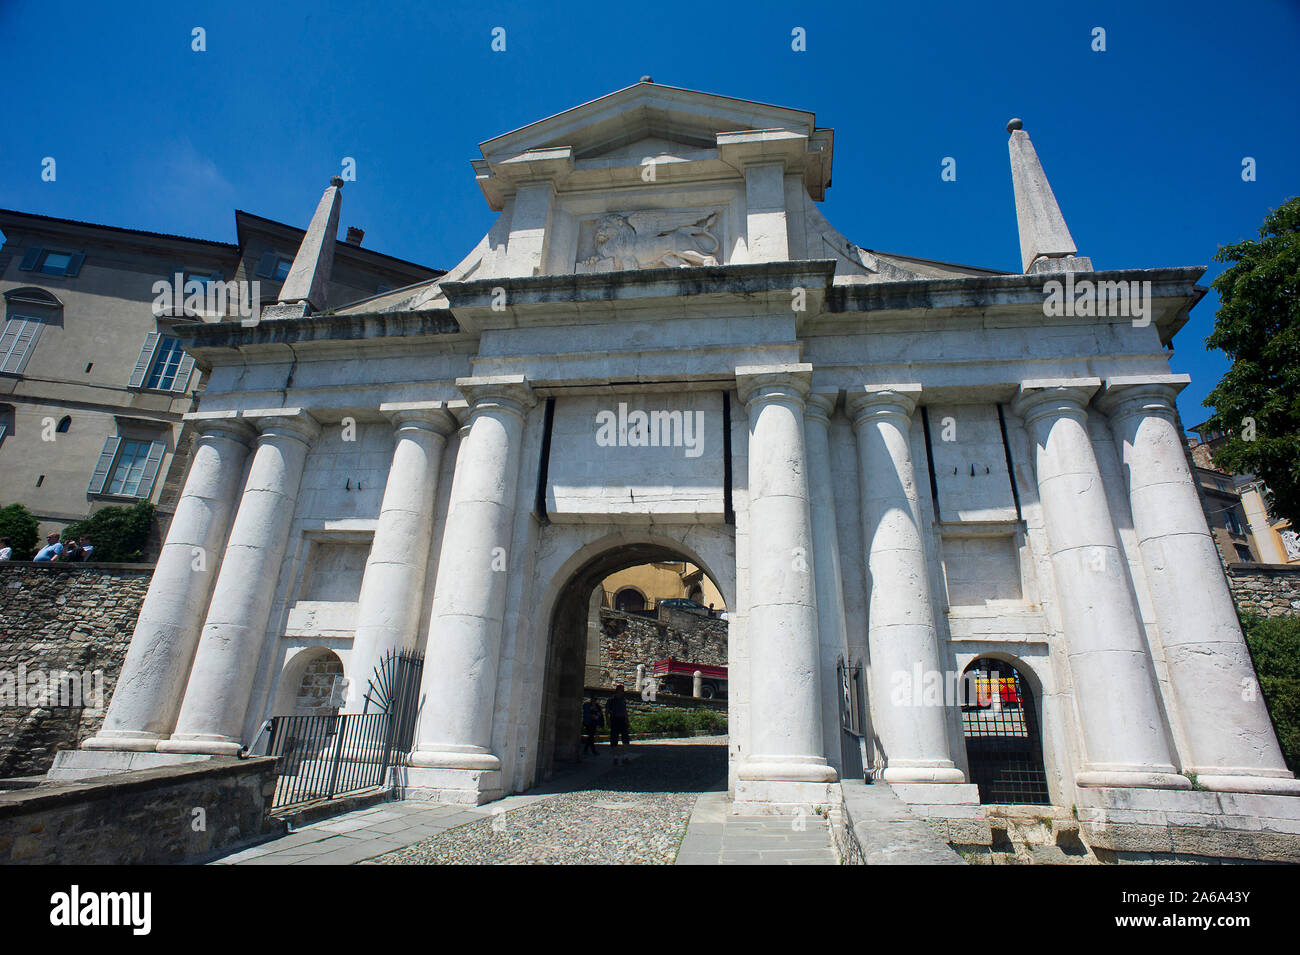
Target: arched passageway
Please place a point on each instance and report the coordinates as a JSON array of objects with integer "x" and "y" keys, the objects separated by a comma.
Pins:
[
  {"x": 575, "y": 621},
  {"x": 1000, "y": 722}
]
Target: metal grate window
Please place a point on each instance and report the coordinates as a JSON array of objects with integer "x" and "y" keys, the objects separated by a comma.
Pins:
[{"x": 1003, "y": 745}]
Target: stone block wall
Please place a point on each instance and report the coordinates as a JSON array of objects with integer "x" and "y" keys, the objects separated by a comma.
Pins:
[
  {"x": 189, "y": 812},
  {"x": 76, "y": 618},
  {"x": 628, "y": 639},
  {"x": 1270, "y": 590}
]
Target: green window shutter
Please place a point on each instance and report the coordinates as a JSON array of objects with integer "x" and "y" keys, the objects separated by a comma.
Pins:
[
  {"x": 30, "y": 258},
  {"x": 145, "y": 360},
  {"x": 99, "y": 476},
  {"x": 183, "y": 373},
  {"x": 74, "y": 266},
  {"x": 151, "y": 465},
  {"x": 266, "y": 264},
  {"x": 17, "y": 344}
]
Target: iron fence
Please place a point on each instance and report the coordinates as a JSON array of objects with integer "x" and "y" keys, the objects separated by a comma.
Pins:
[{"x": 331, "y": 755}]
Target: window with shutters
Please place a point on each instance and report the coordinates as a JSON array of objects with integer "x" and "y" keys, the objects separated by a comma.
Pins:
[
  {"x": 6, "y": 422},
  {"x": 17, "y": 342},
  {"x": 166, "y": 363},
  {"x": 127, "y": 467},
  {"x": 162, "y": 365},
  {"x": 51, "y": 262}
]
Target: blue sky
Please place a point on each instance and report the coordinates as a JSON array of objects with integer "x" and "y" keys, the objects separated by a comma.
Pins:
[{"x": 1143, "y": 143}]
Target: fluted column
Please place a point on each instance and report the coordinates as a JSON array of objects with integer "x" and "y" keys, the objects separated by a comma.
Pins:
[
  {"x": 1114, "y": 687},
  {"x": 901, "y": 633},
  {"x": 785, "y": 718},
  {"x": 464, "y": 644},
  {"x": 152, "y": 682},
  {"x": 1230, "y": 741},
  {"x": 221, "y": 683},
  {"x": 392, "y": 590},
  {"x": 828, "y": 578}
]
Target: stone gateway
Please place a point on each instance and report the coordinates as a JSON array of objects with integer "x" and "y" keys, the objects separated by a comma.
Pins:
[{"x": 926, "y": 473}]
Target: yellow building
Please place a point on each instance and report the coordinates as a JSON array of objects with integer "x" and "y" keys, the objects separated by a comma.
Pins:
[{"x": 643, "y": 586}]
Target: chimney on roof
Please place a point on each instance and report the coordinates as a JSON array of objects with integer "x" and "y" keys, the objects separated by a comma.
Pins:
[{"x": 355, "y": 235}]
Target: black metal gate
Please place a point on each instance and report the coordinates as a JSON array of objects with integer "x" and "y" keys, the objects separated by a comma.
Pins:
[
  {"x": 324, "y": 757},
  {"x": 1003, "y": 745},
  {"x": 852, "y": 735}
]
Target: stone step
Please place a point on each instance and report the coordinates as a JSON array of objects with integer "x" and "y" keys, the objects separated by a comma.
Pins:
[{"x": 887, "y": 831}]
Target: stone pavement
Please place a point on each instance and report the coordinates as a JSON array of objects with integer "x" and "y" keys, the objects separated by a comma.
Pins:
[
  {"x": 357, "y": 836},
  {"x": 716, "y": 837},
  {"x": 666, "y": 805}
]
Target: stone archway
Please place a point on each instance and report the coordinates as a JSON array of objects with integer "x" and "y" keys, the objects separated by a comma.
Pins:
[
  {"x": 569, "y": 603},
  {"x": 306, "y": 683}
]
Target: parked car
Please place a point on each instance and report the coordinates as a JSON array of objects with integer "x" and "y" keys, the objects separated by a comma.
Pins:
[{"x": 681, "y": 603}]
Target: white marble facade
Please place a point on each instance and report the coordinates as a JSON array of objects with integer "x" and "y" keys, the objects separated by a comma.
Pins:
[{"x": 925, "y": 468}]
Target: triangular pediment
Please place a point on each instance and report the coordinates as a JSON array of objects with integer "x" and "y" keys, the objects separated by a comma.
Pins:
[{"x": 607, "y": 127}]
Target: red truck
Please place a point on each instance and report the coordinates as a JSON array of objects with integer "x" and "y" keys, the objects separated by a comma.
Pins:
[{"x": 678, "y": 676}]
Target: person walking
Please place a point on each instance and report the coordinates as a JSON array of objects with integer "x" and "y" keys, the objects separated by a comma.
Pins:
[
  {"x": 592, "y": 720},
  {"x": 618, "y": 724}
]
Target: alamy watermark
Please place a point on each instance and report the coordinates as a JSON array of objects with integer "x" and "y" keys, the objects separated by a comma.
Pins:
[
  {"x": 52, "y": 689},
  {"x": 1089, "y": 298},
  {"x": 651, "y": 429}
]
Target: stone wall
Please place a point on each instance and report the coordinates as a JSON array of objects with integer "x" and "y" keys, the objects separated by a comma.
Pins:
[
  {"x": 628, "y": 639},
  {"x": 1270, "y": 590},
  {"x": 76, "y": 618},
  {"x": 189, "y": 812}
]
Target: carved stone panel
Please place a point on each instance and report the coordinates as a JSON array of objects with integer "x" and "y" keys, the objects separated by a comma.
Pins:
[{"x": 649, "y": 240}]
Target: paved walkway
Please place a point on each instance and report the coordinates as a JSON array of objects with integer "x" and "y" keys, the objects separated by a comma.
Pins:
[
  {"x": 716, "y": 837},
  {"x": 666, "y": 805}
]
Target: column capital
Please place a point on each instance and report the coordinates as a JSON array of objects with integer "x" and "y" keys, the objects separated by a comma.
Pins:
[
  {"x": 866, "y": 400},
  {"x": 510, "y": 392},
  {"x": 1056, "y": 397},
  {"x": 432, "y": 416},
  {"x": 1141, "y": 394},
  {"x": 764, "y": 382},
  {"x": 283, "y": 423},
  {"x": 221, "y": 424},
  {"x": 819, "y": 405}
]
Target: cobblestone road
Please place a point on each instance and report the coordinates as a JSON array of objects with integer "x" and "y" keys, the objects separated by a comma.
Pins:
[{"x": 631, "y": 814}]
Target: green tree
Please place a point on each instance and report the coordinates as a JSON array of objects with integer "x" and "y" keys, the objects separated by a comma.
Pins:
[
  {"x": 1258, "y": 326},
  {"x": 1275, "y": 649},
  {"x": 17, "y": 524},
  {"x": 117, "y": 533}
]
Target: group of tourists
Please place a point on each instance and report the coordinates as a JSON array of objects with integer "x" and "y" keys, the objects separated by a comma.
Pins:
[
  {"x": 73, "y": 550},
  {"x": 593, "y": 719}
]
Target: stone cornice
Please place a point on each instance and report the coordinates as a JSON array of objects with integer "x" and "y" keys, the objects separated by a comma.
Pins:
[
  {"x": 1173, "y": 290},
  {"x": 205, "y": 341},
  {"x": 542, "y": 299}
]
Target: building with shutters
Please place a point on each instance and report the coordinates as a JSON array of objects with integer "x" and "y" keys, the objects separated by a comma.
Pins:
[{"x": 93, "y": 382}]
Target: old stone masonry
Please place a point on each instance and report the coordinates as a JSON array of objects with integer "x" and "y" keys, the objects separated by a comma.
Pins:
[{"x": 940, "y": 508}]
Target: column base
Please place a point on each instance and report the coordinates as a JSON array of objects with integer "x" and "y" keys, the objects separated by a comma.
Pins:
[
  {"x": 778, "y": 785},
  {"x": 206, "y": 744},
  {"x": 464, "y": 775},
  {"x": 921, "y": 772},
  {"x": 127, "y": 741},
  {"x": 1157, "y": 777},
  {"x": 1242, "y": 783}
]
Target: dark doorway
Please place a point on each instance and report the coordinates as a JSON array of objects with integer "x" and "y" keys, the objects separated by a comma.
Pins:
[{"x": 1003, "y": 745}]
